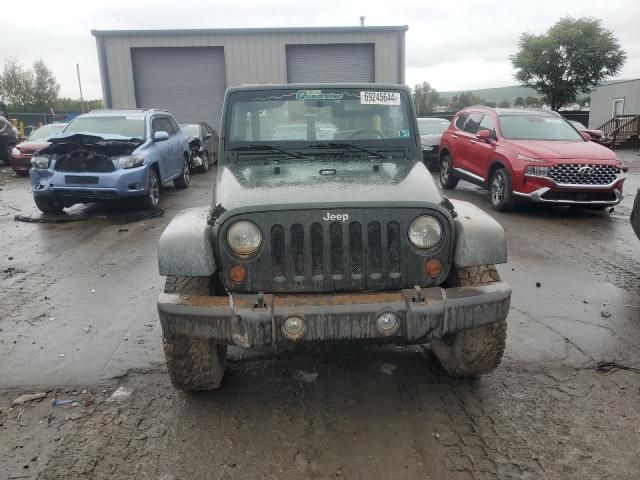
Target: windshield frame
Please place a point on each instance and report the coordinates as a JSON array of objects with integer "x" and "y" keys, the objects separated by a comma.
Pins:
[
  {"x": 143, "y": 118},
  {"x": 525, "y": 114},
  {"x": 400, "y": 143}
]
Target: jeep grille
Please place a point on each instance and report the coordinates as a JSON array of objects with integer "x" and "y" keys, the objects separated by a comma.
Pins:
[{"x": 370, "y": 251}]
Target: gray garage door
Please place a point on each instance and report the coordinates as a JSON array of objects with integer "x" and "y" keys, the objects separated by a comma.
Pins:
[
  {"x": 189, "y": 82},
  {"x": 348, "y": 62}
]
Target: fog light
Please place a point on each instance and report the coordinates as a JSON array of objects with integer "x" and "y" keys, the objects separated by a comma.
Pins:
[
  {"x": 238, "y": 274},
  {"x": 387, "y": 323},
  {"x": 433, "y": 267},
  {"x": 294, "y": 328}
]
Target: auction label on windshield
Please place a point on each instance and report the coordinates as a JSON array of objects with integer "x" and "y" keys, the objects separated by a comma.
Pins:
[{"x": 380, "y": 98}]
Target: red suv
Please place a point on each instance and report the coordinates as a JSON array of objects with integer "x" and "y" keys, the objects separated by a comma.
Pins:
[{"x": 533, "y": 154}]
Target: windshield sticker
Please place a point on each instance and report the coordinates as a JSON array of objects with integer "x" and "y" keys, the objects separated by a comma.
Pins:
[
  {"x": 404, "y": 133},
  {"x": 380, "y": 98},
  {"x": 317, "y": 95}
]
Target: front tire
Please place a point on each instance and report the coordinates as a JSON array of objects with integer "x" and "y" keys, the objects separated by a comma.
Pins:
[
  {"x": 46, "y": 205},
  {"x": 476, "y": 351},
  {"x": 447, "y": 178},
  {"x": 151, "y": 200},
  {"x": 205, "y": 163},
  {"x": 501, "y": 190},
  {"x": 185, "y": 178},
  {"x": 194, "y": 364}
]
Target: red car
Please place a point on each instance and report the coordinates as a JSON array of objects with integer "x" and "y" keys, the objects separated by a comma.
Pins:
[
  {"x": 20, "y": 155},
  {"x": 530, "y": 154},
  {"x": 597, "y": 136}
]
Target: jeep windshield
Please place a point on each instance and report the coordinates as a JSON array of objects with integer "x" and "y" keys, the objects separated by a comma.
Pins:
[
  {"x": 537, "y": 127},
  {"x": 307, "y": 118}
]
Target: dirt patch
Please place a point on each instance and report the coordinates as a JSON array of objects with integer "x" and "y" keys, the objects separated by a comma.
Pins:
[{"x": 115, "y": 217}]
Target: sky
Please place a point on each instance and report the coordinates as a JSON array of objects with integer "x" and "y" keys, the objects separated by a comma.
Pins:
[{"x": 452, "y": 45}]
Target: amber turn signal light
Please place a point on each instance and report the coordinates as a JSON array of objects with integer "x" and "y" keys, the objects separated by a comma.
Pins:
[
  {"x": 433, "y": 267},
  {"x": 238, "y": 274}
]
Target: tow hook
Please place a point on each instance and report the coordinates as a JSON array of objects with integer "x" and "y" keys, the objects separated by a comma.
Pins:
[
  {"x": 418, "y": 297},
  {"x": 260, "y": 300}
]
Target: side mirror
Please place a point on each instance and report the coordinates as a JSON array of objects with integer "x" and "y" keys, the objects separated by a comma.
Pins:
[
  {"x": 484, "y": 135},
  {"x": 208, "y": 136},
  {"x": 586, "y": 136},
  {"x": 160, "y": 136}
]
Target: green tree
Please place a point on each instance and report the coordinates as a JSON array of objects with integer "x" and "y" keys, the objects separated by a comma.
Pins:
[
  {"x": 571, "y": 58},
  {"x": 504, "y": 104},
  {"x": 532, "y": 102},
  {"x": 519, "y": 102},
  {"x": 28, "y": 89},
  {"x": 582, "y": 101},
  {"x": 465, "y": 99},
  {"x": 425, "y": 98}
]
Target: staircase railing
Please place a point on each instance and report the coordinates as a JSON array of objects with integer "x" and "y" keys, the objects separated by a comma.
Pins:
[
  {"x": 626, "y": 130},
  {"x": 612, "y": 124}
]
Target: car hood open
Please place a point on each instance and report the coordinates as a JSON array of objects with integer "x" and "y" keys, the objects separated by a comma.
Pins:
[
  {"x": 106, "y": 144},
  {"x": 252, "y": 186},
  {"x": 561, "y": 150}
]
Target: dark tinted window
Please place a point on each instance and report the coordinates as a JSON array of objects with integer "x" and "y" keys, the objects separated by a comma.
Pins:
[
  {"x": 461, "y": 119},
  {"x": 487, "y": 123},
  {"x": 473, "y": 123}
]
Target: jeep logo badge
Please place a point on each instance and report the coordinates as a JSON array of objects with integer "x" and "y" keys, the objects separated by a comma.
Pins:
[{"x": 333, "y": 217}]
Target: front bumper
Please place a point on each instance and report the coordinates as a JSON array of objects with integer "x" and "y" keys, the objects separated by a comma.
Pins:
[
  {"x": 89, "y": 186},
  {"x": 240, "y": 319},
  {"x": 589, "y": 197}
]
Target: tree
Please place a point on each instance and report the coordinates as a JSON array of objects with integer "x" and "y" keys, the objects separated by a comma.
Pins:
[
  {"x": 465, "y": 99},
  {"x": 26, "y": 89},
  {"x": 519, "y": 102},
  {"x": 571, "y": 58},
  {"x": 582, "y": 101},
  {"x": 15, "y": 83},
  {"x": 532, "y": 102},
  {"x": 425, "y": 98},
  {"x": 504, "y": 104},
  {"x": 45, "y": 87}
]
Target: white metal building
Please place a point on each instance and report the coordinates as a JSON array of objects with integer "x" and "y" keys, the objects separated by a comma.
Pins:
[
  {"x": 188, "y": 71},
  {"x": 614, "y": 99}
]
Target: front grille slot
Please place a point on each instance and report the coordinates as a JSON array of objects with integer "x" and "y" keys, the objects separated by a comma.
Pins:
[
  {"x": 84, "y": 161},
  {"x": 374, "y": 242},
  {"x": 355, "y": 247},
  {"x": 583, "y": 174},
  {"x": 393, "y": 247},
  {"x": 277, "y": 252},
  {"x": 297, "y": 251},
  {"x": 317, "y": 249},
  {"x": 336, "y": 251}
]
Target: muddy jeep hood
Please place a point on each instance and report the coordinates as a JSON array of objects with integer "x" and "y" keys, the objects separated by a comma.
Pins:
[{"x": 242, "y": 187}]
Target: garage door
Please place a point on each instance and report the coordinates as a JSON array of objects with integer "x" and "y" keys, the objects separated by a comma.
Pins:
[
  {"x": 189, "y": 82},
  {"x": 348, "y": 62}
]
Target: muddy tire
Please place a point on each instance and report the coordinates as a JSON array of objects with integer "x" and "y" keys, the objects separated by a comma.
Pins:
[
  {"x": 447, "y": 178},
  {"x": 185, "y": 177},
  {"x": 46, "y": 205},
  {"x": 476, "y": 351},
  {"x": 194, "y": 364}
]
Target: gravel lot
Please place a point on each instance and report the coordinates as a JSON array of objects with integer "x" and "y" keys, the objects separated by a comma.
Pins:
[{"x": 78, "y": 321}]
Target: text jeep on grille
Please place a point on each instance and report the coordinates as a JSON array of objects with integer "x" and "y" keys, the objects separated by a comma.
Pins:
[{"x": 325, "y": 225}]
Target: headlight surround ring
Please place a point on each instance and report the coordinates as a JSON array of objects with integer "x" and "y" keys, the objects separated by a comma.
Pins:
[
  {"x": 244, "y": 237},
  {"x": 425, "y": 232}
]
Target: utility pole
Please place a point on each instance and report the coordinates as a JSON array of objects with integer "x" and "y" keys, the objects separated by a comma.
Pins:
[{"x": 80, "y": 85}]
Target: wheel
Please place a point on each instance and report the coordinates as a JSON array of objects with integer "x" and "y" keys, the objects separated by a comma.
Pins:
[
  {"x": 635, "y": 215},
  {"x": 183, "y": 180},
  {"x": 205, "y": 163},
  {"x": 46, "y": 205},
  {"x": 194, "y": 364},
  {"x": 152, "y": 198},
  {"x": 473, "y": 352},
  {"x": 447, "y": 178},
  {"x": 501, "y": 191}
]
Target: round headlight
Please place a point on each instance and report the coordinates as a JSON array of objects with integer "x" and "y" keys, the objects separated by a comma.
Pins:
[
  {"x": 425, "y": 231},
  {"x": 244, "y": 237}
]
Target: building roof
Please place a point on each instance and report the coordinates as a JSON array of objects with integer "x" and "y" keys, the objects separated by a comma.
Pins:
[
  {"x": 616, "y": 82},
  {"x": 228, "y": 31}
]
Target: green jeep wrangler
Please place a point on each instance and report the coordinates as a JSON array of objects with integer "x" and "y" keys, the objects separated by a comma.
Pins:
[{"x": 325, "y": 225}]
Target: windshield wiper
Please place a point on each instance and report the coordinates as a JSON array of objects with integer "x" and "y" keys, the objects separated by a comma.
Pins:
[
  {"x": 270, "y": 148},
  {"x": 348, "y": 146}
]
